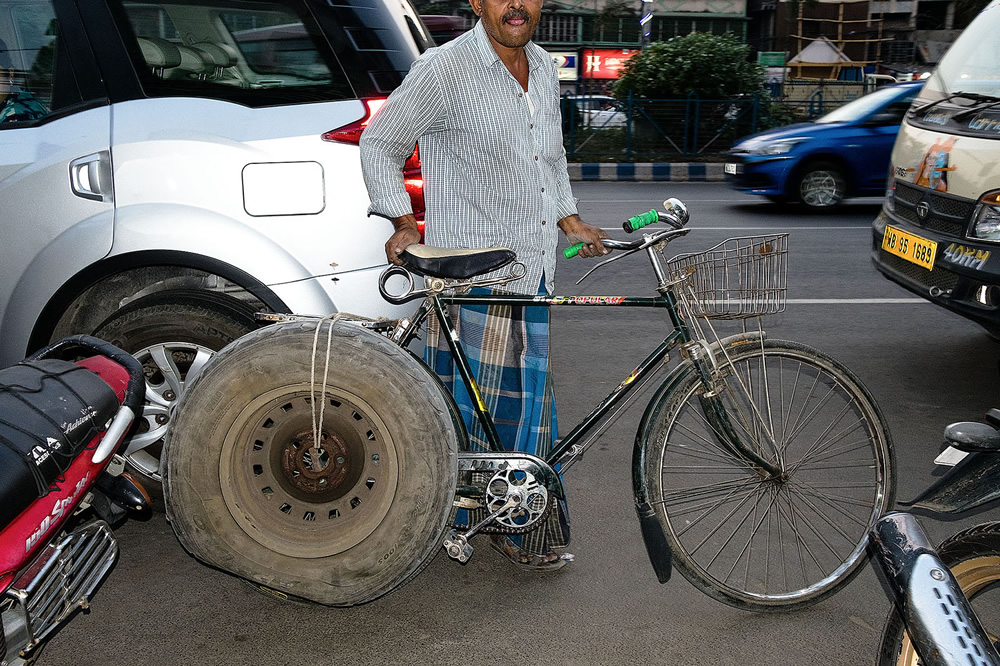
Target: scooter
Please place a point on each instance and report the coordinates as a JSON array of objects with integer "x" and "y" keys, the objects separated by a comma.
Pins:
[
  {"x": 64, "y": 413},
  {"x": 933, "y": 622}
]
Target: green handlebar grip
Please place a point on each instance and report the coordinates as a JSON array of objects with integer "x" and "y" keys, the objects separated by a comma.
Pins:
[
  {"x": 641, "y": 220},
  {"x": 573, "y": 250}
]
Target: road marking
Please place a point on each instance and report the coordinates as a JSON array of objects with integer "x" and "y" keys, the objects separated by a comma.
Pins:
[
  {"x": 855, "y": 301},
  {"x": 865, "y": 227}
]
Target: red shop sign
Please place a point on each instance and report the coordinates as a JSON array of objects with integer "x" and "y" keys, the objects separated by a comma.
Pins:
[{"x": 605, "y": 63}]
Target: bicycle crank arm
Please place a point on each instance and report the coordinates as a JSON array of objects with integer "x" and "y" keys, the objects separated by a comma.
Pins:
[
  {"x": 469, "y": 461},
  {"x": 457, "y": 545}
]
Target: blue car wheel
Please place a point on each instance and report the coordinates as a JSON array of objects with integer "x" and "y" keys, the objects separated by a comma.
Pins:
[{"x": 822, "y": 186}]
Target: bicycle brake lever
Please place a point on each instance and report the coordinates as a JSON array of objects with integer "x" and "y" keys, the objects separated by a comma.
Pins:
[{"x": 608, "y": 261}]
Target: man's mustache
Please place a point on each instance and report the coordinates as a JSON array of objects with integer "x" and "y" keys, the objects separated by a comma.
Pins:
[{"x": 517, "y": 14}]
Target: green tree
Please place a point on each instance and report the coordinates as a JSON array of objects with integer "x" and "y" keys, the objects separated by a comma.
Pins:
[{"x": 713, "y": 66}]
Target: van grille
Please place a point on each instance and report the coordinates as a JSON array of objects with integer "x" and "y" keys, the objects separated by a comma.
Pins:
[{"x": 947, "y": 214}]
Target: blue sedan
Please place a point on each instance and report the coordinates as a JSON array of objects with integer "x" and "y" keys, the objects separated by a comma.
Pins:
[{"x": 844, "y": 153}]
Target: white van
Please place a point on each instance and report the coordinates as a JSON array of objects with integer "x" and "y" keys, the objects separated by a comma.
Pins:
[{"x": 938, "y": 233}]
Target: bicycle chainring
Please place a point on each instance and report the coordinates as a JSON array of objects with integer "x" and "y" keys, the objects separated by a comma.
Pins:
[{"x": 534, "y": 503}]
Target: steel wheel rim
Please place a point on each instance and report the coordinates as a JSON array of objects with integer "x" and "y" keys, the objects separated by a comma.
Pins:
[
  {"x": 972, "y": 576},
  {"x": 293, "y": 516},
  {"x": 821, "y": 188},
  {"x": 767, "y": 494},
  {"x": 169, "y": 368}
]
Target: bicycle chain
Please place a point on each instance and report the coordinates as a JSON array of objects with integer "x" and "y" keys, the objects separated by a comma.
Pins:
[{"x": 496, "y": 528}]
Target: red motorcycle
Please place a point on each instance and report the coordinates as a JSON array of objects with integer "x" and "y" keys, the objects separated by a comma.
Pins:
[{"x": 64, "y": 412}]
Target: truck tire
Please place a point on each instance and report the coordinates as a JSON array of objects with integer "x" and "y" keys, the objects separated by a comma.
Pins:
[
  {"x": 173, "y": 333},
  {"x": 341, "y": 523}
]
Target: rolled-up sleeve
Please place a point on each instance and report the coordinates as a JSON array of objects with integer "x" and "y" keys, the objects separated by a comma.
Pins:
[{"x": 411, "y": 110}]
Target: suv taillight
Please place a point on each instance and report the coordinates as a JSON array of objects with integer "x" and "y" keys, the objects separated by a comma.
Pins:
[{"x": 412, "y": 178}]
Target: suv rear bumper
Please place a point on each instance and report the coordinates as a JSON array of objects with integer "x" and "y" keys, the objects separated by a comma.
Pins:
[{"x": 965, "y": 278}]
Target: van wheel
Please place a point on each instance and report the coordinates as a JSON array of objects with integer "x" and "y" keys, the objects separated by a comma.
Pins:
[
  {"x": 822, "y": 186},
  {"x": 173, "y": 334},
  {"x": 342, "y": 517}
]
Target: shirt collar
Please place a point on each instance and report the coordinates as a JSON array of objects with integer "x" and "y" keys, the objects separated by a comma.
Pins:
[{"x": 489, "y": 55}]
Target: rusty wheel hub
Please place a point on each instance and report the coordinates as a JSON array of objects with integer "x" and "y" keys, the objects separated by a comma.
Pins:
[{"x": 316, "y": 470}]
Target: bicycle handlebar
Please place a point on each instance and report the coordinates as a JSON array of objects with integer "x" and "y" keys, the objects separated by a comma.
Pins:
[
  {"x": 676, "y": 216},
  {"x": 645, "y": 241}
]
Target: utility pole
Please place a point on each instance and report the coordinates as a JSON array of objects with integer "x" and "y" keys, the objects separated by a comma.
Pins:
[{"x": 645, "y": 23}]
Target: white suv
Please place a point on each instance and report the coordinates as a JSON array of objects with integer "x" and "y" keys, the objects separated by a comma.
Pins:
[{"x": 193, "y": 161}]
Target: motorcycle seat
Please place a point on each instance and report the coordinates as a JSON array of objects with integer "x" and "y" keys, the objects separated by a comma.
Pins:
[{"x": 51, "y": 410}]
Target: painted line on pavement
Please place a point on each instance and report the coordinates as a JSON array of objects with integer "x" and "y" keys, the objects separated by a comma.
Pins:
[
  {"x": 855, "y": 301},
  {"x": 866, "y": 227}
]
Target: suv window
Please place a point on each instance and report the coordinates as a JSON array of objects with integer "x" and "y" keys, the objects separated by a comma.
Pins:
[
  {"x": 254, "y": 53},
  {"x": 36, "y": 77}
]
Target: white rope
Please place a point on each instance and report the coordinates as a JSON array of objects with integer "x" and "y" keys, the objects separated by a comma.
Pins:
[{"x": 317, "y": 415}]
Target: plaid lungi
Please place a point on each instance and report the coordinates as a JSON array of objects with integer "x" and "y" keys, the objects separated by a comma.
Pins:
[{"x": 508, "y": 351}]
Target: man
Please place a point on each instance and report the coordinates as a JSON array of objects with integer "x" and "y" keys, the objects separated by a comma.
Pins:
[{"x": 484, "y": 109}]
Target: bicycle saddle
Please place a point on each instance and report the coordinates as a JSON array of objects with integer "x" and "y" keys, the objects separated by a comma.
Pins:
[{"x": 455, "y": 263}]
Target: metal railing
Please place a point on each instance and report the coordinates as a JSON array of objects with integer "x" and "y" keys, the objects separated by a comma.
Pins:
[{"x": 651, "y": 130}]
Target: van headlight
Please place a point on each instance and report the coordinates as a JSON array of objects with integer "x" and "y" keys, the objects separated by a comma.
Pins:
[
  {"x": 986, "y": 222},
  {"x": 889, "y": 202}
]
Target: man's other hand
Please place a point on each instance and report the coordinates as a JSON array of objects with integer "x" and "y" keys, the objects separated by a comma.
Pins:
[
  {"x": 407, "y": 234},
  {"x": 578, "y": 231}
]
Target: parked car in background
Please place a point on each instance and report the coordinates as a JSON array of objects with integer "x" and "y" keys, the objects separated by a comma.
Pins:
[
  {"x": 194, "y": 161},
  {"x": 844, "y": 153},
  {"x": 596, "y": 111}
]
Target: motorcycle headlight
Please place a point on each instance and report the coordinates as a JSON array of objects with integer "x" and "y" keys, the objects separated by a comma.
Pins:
[
  {"x": 986, "y": 223},
  {"x": 778, "y": 147}
]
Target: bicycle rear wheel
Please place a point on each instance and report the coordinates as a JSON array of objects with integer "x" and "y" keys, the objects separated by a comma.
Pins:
[{"x": 746, "y": 538}]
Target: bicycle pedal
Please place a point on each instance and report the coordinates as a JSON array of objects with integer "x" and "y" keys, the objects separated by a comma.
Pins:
[{"x": 458, "y": 547}]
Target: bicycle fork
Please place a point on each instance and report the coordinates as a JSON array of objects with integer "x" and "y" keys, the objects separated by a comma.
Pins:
[{"x": 719, "y": 417}]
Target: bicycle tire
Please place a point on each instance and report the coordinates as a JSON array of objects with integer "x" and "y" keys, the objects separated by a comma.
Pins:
[
  {"x": 973, "y": 555},
  {"x": 771, "y": 544}
]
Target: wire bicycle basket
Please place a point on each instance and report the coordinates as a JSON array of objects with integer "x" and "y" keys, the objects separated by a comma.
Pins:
[{"x": 738, "y": 278}]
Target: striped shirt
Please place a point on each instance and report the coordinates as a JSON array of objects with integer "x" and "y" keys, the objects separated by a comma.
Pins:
[{"x": 494, "y": 165}]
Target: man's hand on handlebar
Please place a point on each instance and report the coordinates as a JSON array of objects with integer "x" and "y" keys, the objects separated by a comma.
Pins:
[
  {"x": 578, "y": 231},
  {"x": 407, "y": 234}
]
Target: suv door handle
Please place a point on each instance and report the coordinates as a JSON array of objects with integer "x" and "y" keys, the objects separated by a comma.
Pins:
[{"x": 90, "y": 176}]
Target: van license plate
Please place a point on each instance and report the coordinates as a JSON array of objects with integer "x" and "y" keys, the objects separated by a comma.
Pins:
[{"x": 913, "y": 248}]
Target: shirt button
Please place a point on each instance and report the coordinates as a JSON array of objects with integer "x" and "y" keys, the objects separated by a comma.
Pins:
[
  {"x": 543, "y": 222},
  {"x": 531, "y": 126},
  {"x": 520, "y": 94},
  {"x": 543, "y": 253},
  {"x": 543, "y": 189},
  {"x": 536, "y": 158}
]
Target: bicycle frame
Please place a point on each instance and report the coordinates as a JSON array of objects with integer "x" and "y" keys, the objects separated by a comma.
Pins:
[{"x": 567, "y": 450}]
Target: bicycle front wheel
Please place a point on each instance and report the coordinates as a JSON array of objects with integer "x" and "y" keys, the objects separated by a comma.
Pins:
[{"x": 757, "y": 540}]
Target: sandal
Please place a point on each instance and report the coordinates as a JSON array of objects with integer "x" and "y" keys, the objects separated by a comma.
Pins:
[{"x": 548, "y": 562}]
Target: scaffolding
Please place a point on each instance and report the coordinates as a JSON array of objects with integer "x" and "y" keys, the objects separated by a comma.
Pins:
[{"x": 873, "y": 26}]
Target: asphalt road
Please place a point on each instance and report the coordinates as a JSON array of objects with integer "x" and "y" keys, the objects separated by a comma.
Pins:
[{"x": 926, "y": 367}]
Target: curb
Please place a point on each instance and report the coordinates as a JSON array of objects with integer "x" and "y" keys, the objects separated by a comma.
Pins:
[{"x": 647, "y": 171}]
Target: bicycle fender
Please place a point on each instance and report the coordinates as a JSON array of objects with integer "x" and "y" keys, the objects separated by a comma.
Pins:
[
  {"x": 973, "y": 482},
  {"x": 657, "y": 547}
]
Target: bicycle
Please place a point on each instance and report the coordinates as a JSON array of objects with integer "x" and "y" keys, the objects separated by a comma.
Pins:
[{"x": 758, "y": 468}]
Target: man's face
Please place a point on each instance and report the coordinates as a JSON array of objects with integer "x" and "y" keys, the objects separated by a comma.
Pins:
[{"x": 510, "y": 23}]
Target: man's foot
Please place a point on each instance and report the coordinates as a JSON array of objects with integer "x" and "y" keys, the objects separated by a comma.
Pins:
[{"x": 548, "y": 562}]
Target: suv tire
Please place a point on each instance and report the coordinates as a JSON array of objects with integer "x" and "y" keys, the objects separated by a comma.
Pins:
[{"x": 173, "y": 333}]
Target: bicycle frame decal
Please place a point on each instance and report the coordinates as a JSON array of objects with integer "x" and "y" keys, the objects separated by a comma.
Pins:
[{"x": 580, "y": 300}]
